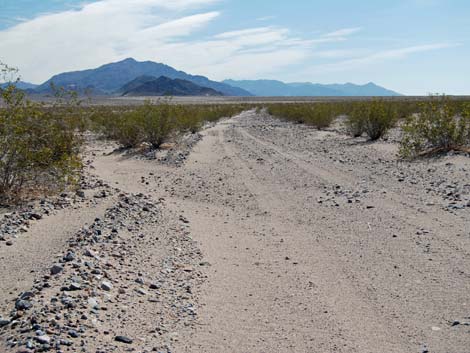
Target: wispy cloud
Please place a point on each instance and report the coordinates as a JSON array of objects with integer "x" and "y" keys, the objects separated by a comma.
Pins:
[
  {"x": 380, "y": 56},
  {"x": 266, "y": 18},
  {"x": 343, "y": 32},
  {"x": 160, "y": 30},
  {"x": 165, "y": 31}
]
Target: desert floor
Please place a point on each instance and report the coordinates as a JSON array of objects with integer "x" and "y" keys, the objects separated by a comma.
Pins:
[{"x": 269, "y": 237}]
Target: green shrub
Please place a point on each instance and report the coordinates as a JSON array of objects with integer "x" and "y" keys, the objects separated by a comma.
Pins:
[
  {"x": 374, "y": 118},
  {"x": 318, "y": 115},
  {"x": 155, "y": 123},
  {"x": 440, "y": 126},
  {"x": 355, "y": 123},
  {"x": 38, "y": 146}
]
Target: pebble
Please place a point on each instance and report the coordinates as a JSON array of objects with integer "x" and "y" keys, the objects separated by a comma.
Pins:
[
  {"x": 56, "y": 269},
  {"x": 43, "y": 339},
  {"x": 23, "y": 305},
  {"x": 70, "y": 256},
  {"x": 73, "y": 334},
  {"x": 123, "y": 339},
  {"x": 105, "y": 285}
]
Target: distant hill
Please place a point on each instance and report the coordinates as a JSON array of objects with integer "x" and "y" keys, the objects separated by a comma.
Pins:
[
  {"x": 20, "y": 85},
  {"x": 109, "y": 78},
  {"x": 165, "y": 86},
  {"x": 280, "y": 89}
]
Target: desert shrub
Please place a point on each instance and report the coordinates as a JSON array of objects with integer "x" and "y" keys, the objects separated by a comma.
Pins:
[
  {"x": 355, "y": 123},
  {"x": 155, "y": 123},
  {"x": 374, "y": 118},
  {"x": 38, "y": 146},
  {"x": 439, "y": 126},
  {"x": 318, "y": 115}
]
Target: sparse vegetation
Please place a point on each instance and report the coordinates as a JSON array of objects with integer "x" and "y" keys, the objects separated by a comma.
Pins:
[
  {"x": 440, "y": 126},
  {"x": 318, "y": 115},
  {"x": 38, "y": 146},
  {"x": 155, "y": 124},
  {"x": 374, "y": 118}
]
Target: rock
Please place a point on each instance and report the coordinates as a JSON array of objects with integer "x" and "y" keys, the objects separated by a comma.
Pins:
[
  {"x": 56, "y": 269},
  {"x": 74, "y": 286},
  {"x": 23, "y": 305},
  {"x": 9, "y": 243},
  {"x": 70, "y": 256},
  {"x": 89, "y": 253},
  {"x": 80, "y": 193},
  {"x": 123, "y": 339},
  {"x": 455, "y": 323},
  {"x": 105, "y": 285},
  {"x": 73, "y": 334},
  {"x": 26, "y": 295},
  {"x": 141, "y": 291},
  {"x": 93, "y": 303},
  {"x": 4, "y": 322},
  {"x": 43, "y": 339}
]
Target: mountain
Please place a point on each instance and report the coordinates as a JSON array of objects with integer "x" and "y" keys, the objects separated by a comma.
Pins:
[
  {"x": 272, "y": 88},
  {"x": 20, "y": 85},
  {"x": 109, "y": 78},
  {"x": 164, "y": 86}
]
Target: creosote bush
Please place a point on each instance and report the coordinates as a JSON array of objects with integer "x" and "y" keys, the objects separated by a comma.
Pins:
[
  {"x": 38, "y": 146},
  {"x": 441, "y": 125},
  {"x": 318, "y": 115},
  {"x": 373, "y": 118},
  {"x": 155, "y": 124}
]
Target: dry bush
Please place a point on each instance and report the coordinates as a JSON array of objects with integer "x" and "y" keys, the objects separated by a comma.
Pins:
[
  {"x": 440, "y": 126},
  {"x": 374, "y": 118},
  {"x": 155, "y": 124},
  {"x": 38, "y": 146},
  {"x": 318, "y": 115}
]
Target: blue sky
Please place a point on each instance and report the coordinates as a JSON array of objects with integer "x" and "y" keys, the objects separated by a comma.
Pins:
[{"x": 411, "y": 46}]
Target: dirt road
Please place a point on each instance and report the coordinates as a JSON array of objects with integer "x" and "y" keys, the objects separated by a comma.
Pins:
[{"x": 310, "y": 241}]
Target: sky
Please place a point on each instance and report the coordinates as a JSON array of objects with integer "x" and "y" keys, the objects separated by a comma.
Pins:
[{"x": 414, "y": 47}]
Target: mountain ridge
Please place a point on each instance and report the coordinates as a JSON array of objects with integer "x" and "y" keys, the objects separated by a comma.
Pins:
[
  {"x": 108, "y": 78},
  {"x": 164, "y": 86},
  {"x": 277, "y": 88}
]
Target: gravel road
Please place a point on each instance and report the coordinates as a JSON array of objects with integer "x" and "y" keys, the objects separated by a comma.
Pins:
[{"x": 271, "y": 237}]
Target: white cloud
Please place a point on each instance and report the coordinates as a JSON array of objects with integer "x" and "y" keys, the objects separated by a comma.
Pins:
[
  {"x": 266, "y": 18},
  {"x": 161, "y": 30},
  {"x": 97, "y": 33},
  {"x": 343, "y": 32},
  {"x": 379, "y": 56},
  {"x": 111, "y": 30}
]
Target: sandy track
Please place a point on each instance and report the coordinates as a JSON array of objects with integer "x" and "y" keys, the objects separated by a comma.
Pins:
[{"x": 311, "y": 242}]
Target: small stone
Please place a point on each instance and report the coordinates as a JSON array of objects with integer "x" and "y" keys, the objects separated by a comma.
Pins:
[
  {"x": 80, "y": 193},
  {"x": 123, "y": 339},
  {"x": 455, "y": 323},
  {"x": 70, "y": 256},
  {"x": 26, "y": 295},
  {"x": 4, "y": 322},
  {"x": 105, "y": 285},
  {"x": 73, "y": 334},
  {"x": 9, "y": 243},
  {"x": 75, "y": 286},
  {"x": 23, "y": 305},
  {"x": 141, "y": 291},
  {"x": 43, "y": 339},
  {"x": 93, "y": 303},
  {"x": 56, "y": 269}
]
